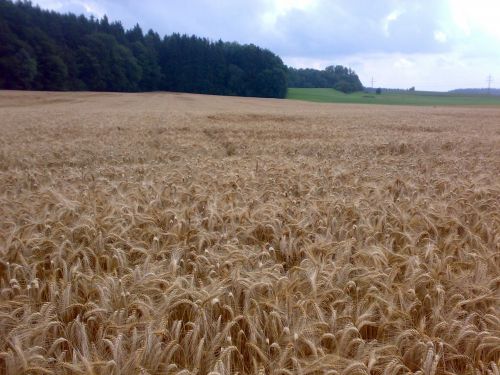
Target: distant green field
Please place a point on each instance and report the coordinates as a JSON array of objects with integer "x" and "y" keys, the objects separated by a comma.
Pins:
[{"x": 403, "y": 98}]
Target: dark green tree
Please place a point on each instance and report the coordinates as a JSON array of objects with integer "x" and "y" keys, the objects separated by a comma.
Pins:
[
  {"x": 45, "y": 50},
  {"x": 337, "y": 77}
]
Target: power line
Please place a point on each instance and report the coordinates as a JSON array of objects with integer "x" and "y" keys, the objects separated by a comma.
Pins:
[{"x": 489, "y": 80}]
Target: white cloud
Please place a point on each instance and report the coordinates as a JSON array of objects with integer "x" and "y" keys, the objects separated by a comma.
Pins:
[
  {"x": 82, "y": 6},
  {"x": 440, "y": 36},
  {"x": 280, "y": 8},
  {"x": 391, "y": 17},
  {"x": 305, "y": 62},
  {"x": 403, "y": 63},
  {"x": 91, "y": 7},
  {"x": 476, "y": 16}
]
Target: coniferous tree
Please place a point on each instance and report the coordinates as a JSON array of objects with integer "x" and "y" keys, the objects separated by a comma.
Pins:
[{"x": 44, "y": 50}]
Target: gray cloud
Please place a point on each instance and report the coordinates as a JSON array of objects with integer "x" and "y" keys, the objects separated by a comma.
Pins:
[{"x": 401, "y": 41}]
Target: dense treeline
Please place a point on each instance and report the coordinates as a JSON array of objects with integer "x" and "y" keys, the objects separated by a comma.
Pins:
[
  {"x": 337, "y": 77},
  {"x": 43, "y": 50},
  {"x": 476, "y": 91}
]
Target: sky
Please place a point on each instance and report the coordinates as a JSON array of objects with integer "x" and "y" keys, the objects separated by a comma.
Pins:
[{"x": 430, "y": 44}]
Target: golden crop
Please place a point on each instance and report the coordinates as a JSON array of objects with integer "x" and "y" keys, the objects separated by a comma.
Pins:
[{"x": 185, "y": 234}]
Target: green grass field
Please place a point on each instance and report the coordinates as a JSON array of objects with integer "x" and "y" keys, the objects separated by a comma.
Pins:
[{"x": 403, "y": 98}]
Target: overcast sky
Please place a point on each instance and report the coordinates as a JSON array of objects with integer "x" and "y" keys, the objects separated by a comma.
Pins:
[{"x": 430, "y": 44}]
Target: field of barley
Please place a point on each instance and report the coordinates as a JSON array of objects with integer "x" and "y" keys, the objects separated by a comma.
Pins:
[{"x": 187, "y": 234}]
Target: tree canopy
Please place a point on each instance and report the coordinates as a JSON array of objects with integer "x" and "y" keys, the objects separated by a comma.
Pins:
[
  {"x": 337, "y": 77},
  {"x": 45, "y": 50}
]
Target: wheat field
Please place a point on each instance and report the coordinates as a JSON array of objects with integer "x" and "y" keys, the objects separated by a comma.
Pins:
[{"x": 186, "y": 234}]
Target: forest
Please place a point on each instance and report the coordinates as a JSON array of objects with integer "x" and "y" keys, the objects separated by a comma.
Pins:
[
  {"x": 338, "y": 77},
  {"x": 45, "y": 50}
]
